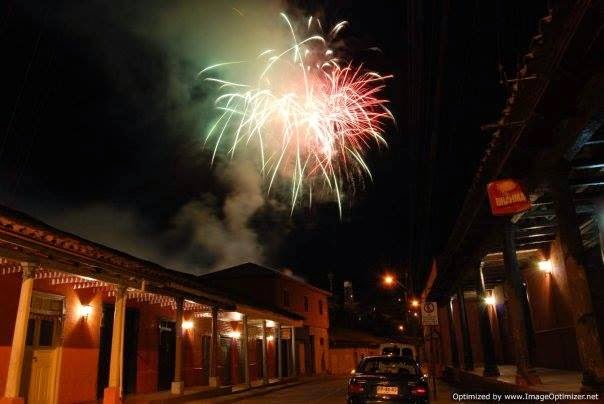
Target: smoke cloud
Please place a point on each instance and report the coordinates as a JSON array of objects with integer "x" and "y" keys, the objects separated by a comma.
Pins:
[
  {"x": 206, "y": 233},
  {"x": 150, "y": 53},
  {"x": 224, "y": 231}
]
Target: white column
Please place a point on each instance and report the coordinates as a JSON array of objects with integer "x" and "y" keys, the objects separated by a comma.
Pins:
[
  {"x": 178, "y": 385},
  {"x": 264, "y": 362},
  {"x": 15, "y": 363},
  {"x": 214, "y": 380},
  {"x": 293, "y": 337},
  {"x": 113, "y": 392},
  {"x": 279, "y": 352},
  {"x": 245, "y": 352}
]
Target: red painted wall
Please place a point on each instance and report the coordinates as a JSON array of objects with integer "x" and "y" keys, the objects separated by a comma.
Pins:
[
  {"x": 550, "y": 298},
  {"x": 10, "y": 285},
  {"x": 474, "y": 328},
  {"x": 457, "y": 324},
  {"x": 443, "y": 323}
]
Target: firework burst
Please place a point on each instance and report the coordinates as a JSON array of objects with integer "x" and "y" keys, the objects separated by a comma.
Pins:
[{"x": 312, "y": 116}]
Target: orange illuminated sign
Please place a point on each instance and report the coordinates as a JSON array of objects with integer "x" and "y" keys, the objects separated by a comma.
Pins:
[{"x": 507, "y": 198}]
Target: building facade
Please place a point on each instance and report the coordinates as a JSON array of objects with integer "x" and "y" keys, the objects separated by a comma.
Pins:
[
  {"x": 525, "y": 290},
  {"x": 288, "y": 292},
  {"x": 81, "y": 322}
]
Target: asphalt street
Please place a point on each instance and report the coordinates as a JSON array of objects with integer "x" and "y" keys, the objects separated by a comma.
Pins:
[{"x": 324, "y": 391}]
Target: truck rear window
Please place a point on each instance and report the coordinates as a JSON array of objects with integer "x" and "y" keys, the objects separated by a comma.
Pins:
[
  {"x": 388, "y": 366},
  {"x": 394, "y": 351}
]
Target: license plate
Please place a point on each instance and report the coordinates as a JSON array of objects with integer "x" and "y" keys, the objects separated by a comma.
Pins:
[{"x": 387, "y": 390}]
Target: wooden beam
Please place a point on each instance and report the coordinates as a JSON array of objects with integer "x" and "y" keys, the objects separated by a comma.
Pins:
[
  {"x": 587, "y": 183},
  {"x": 581, "y": 209},
  {"x": 535, "y": 243},
  {"x": 535, "y": 235},
  {"x": 539, "y": 226},
  {"x": 591, "y": 127},
  {"x": 585, "y": 164}
]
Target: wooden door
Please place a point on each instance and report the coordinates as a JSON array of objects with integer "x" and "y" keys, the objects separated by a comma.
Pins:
[
  {"x": 225, "y": 360},
  {"x": 285, "y": 354},
  {"x": 41, "y": 356},
  {"x": 206, "y": 344},
  {"x": 167, "y": 348}
]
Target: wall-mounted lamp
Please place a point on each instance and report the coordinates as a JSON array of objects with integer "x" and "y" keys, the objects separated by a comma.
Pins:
[
  {"x": 234, "y": 334},
  {"x": 545, "y": 266},
  {"x": 84, "y": 311},
  {"x": 490, "y": 300},
  {"x": 401, "y": 328},
  {"x": 187, "y": 325}
]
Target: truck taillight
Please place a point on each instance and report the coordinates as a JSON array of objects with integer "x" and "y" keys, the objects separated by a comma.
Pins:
[{"x": 355, "y": 388}]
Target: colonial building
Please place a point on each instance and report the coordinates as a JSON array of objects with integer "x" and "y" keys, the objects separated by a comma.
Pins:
[
  {"x": 526, "y": 291},
  {"x": 290, "y": 293},
  {"x": 80, "y": 321}
]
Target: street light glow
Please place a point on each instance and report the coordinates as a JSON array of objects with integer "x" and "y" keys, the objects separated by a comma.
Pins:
[
  {"x": 414, "y": 303},
  {"x": 545, "y": 266},
  {"x": 490, "y": 300},
  {"x": 388, "y": 280}
]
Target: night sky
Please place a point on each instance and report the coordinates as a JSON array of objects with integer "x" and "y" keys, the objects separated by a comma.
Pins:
[{"x": 103, "y": 122}]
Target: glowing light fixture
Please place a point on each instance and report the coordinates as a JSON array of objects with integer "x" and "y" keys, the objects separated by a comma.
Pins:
[
  {"x": 270, "y": 338},
  {"x": 388, "y": 280},
  {"x": 270, "y": 323},
  {"x": 490, "y": 300},
  {"x": 545, "y": 266},
  {"x": 401, "y": 328},
  {"x": 187, "y": 325},
  {"x": 414, "y": 303},
  {"x": 84, "y": 311},
  {"x": 234, "y": 334}
]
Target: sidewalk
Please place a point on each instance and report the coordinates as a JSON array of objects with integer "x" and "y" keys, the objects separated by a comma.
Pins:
[
  {"x": 258, "y": 391},
  {"x": 197, "y": 393},
  {"x": 553, "y": 380}
]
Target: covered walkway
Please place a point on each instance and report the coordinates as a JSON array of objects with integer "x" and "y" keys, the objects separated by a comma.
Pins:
[
  {"x": 86, "y": 322},
  {"x": 521, "y": 294},
  {"x": 551, "y": 379}
]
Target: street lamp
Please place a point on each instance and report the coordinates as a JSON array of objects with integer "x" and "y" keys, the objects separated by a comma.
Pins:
[
  {"x": 415, "y": 303},
  {"x": 389, "y": 280}
]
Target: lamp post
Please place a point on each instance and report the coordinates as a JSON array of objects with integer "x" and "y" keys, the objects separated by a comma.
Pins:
[{"x": 389, "y": 280}]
